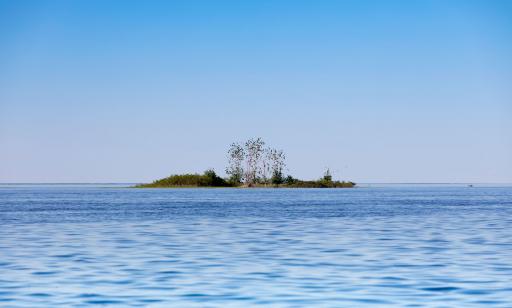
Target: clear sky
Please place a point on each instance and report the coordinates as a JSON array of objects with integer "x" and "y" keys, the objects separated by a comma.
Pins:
[{"x": 379, "y": 91}]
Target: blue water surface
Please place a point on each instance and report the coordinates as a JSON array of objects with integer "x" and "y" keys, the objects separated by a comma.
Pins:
[{"x": 396, "y": 245}]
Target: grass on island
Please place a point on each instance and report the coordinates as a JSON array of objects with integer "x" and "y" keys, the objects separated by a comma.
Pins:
[{"x": 210, "y": 179}]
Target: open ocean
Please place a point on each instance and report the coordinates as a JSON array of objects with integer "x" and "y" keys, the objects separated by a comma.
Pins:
[{"x": 377, "y": 245}]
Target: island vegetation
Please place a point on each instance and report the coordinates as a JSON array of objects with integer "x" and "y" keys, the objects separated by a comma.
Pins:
[{"x": 250, "y": 164}]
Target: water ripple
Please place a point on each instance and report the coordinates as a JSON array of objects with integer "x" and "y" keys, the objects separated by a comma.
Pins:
[{"x": 412, "y": 247}]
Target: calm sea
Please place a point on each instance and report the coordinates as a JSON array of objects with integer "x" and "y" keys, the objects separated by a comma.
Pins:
[{"x": 424, "y": 245}]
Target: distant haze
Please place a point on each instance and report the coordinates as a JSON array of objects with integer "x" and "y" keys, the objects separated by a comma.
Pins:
[{"x": 378, "y": 91}]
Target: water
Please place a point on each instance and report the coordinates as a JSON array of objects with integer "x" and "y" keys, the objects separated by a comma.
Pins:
[{"x": 83, "y": 245}]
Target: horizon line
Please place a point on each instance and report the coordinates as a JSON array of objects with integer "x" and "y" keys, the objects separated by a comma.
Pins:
[{"x": 365, "y": 183}]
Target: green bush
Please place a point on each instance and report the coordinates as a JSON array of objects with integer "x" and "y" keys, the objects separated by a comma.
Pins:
[
  {"x": 290, "y": 180},
  {"x": 277, "y": 178},
  {"x": 208, "y": 179}
]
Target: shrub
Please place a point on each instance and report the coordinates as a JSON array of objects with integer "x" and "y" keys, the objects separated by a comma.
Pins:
[{"x": 208, "y": 179}]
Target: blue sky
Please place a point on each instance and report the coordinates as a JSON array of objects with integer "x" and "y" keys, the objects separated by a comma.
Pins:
[{"x": 379, "y": 91}]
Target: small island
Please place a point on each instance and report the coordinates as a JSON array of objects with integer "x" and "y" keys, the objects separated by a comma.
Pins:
[{"x": 251, "y": 164}]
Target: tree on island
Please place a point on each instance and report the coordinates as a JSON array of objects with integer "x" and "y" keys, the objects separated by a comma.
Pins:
[
  {"x": 254, "y": 149},
  {"x": 235, "y": 170},
  {"x": 277, "y": 165},
  {"x": 260, "y": 163},
  {"x": 327, "y": 175}
]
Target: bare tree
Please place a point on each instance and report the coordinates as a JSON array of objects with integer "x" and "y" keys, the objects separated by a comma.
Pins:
[
  {"x": 235, "y": 169},
  {"x": 266, "y": 169},
  {"x": 254, "y": 149},
  {"x": 277, "y": 165}
]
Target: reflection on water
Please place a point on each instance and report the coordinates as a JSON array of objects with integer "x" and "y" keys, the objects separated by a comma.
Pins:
[{"x": 422, "y": 246}]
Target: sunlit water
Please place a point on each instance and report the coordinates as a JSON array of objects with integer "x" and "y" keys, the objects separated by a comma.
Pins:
[{"x": 384, "y": 246}]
